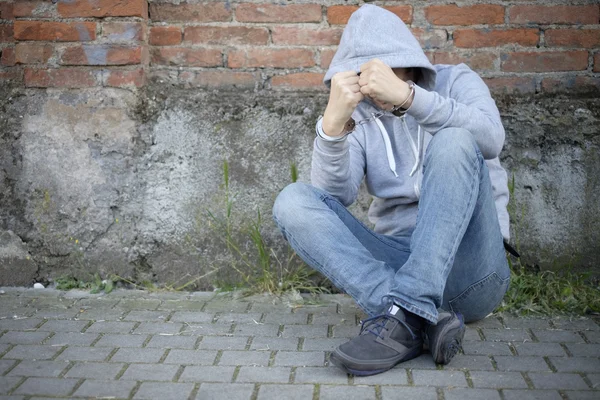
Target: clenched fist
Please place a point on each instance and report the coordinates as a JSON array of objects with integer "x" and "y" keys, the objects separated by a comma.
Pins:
[
  {"x": 383, "y": 85},
  {"x": 344, "y": 97}
]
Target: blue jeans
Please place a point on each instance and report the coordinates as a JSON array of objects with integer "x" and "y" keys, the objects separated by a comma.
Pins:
[{"x": 453, "y": 260}]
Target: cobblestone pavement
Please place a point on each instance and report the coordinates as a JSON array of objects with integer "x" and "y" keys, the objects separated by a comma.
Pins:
[{"x": 140, "y": 345}]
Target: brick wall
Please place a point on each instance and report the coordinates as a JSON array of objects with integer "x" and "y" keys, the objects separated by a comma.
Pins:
[{"x": 517, "y": 45}]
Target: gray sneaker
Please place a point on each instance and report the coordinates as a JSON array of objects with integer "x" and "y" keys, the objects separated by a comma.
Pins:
[
  {"x": 445, "y": 339},
  {"x": 383, "y": 342}
]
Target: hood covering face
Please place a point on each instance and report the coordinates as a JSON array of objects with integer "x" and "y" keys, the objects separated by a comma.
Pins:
[{"x": 374, "y": 32}]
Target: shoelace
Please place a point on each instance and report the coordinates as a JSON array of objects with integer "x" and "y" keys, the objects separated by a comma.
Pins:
[{"x": 380, "y": 321}]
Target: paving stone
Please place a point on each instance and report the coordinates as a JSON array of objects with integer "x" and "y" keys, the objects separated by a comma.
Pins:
[
  {"x": 311, "y": 344},
  {"x": 223, "y": 343},
  {"x": 526, "y": 323},
  {"x": 150, "y": 372},
  {"x": 471, "y": 394},
  {"x": 7, "y": 383},
  {"x": 521, "y": 363},
  {"x": 263, "y": 343},
  {"x": 138, "y": 304},
  {"x": 300, "y": 358},
  {"x": 248, "y": 358},
  {"x": 16, "y": 312},
  {"x": 170, "y": 305},
  {"x": 308, "y": 331},
  {"x": 63, "y": 326},
  {"x": 111, "y": 327},
  {"x": 100, "y": 302},
  {"x": 579, "y": 324},
  {"x": 405, "y": 392},
  {"x": 267, "y": 330},
  {"x": 5, "y": 365},
  {"x": 19, "y": 398},
  {"x": 47, "y": 369},
  {"x": 488, "y": 322},
  {"x": 439, "y": 378},
  {"x": 292, "y": 392},
  {"x": 146, "y": 316},
  {"x": 559, "y": 381},
  {"x": 539, "y": 349},
  {"x": 173, "y": 342},
  {"x": 95, "y": 370},
  {"x": 506, "y": 335},
  {"x": 342, "y": 331},
  {"x": 17, "y": 337},
  {"x": 424, "y": 361},
  {"x": 316, "y": 310},
  {"x": 471, "y": 362},
  {"x": 72, "y": 339},
  {"x": 238, "y": 318},
  {"x": 192, "y": 317},
  {"x": 558, "y": 336},
  {"x": 591, "y": 395},
  {"x": 154, "y": 390},
  {"x": 133, "y": 355},
  {"x": 264, "y": 374},
  {"x": 486, "y": 348},
  {"x": 584, "y": 349},
  {"x": 279, "y": 308},
  {"x": 346, "y": 392},
  {"x": 32, "y": 352},
  {"x": 85, "y": 354},
  {"x": 513, "y": 394},
  {"x": 498, "y": 380},
  {"x": 115, "y": 340},
  {"x": 225, "y": 306},
  {"x": 338, "y": 319},
  {"x": 96, "y": 389},
  {"x": 100, "y": 315},
  {"x": 595, "y": 380},
  {"x": 286, "y": 319},
  {"x": 592, "y": 336},
  {"x": 576, "y": 364},
  {"x": 158, "y": 328},
  {"x": 62, "y": 314},
  {"x": 472, "y": 334},
  {"x": 234, "y": 391},
  {"x": 207, "y": 374},
  {"x": 47, "y": 386},
  {"x": 3, "y": 348},
  {"x": 395, "y": 376},
  {"x": 19, "y": 324},
  {"x": 199, "y": 357},
  {"x": 329, "y": 374}
]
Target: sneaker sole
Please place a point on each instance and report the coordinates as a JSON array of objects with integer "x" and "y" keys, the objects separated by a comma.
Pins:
[
  {"x": 339, "y": 361},
  {"x": 447, "y": 348}
]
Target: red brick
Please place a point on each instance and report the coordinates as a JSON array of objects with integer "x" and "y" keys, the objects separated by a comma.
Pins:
[
  {"x": 545, "y": 61},
  {"x": 103, "y": 8},
  {"x": 203, "y": 12},
  {"x": 307, "y": 36},
  {"x": 495, "y": 38},
  {"x": 101, "y": 55},
  {"x": 230, "y": 35},
  {"x": 511, "y": 85},
  {"x": 574, "y": 84},
  {"x": 278, "y": 13},
  {"x": 8, "y": 56},
  {"x": 6, "y": 11},
  {"x": 55, "y": 31},
  {"x": 125, "y": 78},
  {"x": 33, "y": 53},
  {"x": 6, "y": 33},
  {"x": 220, "y": 79},
  {"x": 63, "y": 77},
  {"x": 189, "y": 57},
  {"x": 339, "y": 15},
  {"x": 587, "y": 38},
  {"x": 124, "y": 31},
  {"x": 267, "y": 57},
  {"x": 326, "y": 57},
  {"x": 11, "y": 74},
  {"x": 37, "y": 8},
  {"x": 597, "y": 62},
  {"x": 431, "y": 38},
  {"x": 299, "y": 81},
  {"x": 533, "y": 14},
  {"x": 451, "y": 14},
  {"x": 165, "y": 35},
  {"x": 479, "y": 61}
]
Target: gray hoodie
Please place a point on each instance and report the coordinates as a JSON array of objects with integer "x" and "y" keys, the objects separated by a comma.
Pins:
[{"x": 388, "y": 152}]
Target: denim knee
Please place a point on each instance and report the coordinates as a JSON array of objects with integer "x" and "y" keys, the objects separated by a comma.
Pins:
[
  {"x": 450, "y": 145},
  {"x": 287, "y": 206}
]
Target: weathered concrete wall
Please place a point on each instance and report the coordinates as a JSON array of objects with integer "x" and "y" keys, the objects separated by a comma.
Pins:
[{"x": 104, "y": 180}]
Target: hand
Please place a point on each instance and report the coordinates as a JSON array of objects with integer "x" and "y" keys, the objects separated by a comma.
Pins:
[
  {"x": 379, "y": 82},
  {"x": 343, "y": 99}
]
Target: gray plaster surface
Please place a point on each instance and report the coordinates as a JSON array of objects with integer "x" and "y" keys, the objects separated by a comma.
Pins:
[{"x": 507, "y": 357}]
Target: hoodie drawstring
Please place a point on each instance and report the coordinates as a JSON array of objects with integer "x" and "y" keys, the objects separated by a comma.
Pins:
[{"x": 416, "y": 148}]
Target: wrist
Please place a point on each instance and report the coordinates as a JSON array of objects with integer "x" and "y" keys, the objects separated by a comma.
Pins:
[{"x": 333, "y": 127}]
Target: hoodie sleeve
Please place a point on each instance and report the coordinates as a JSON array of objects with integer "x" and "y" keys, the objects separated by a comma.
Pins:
[
  {"x": 469, "y": 106},
  {"x": 338, "y": 167}
]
